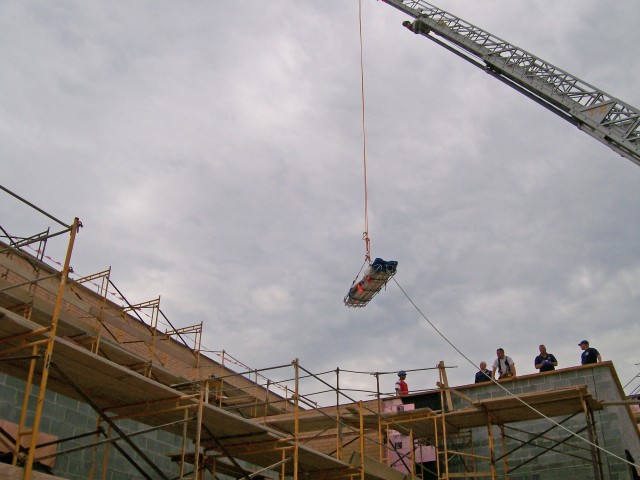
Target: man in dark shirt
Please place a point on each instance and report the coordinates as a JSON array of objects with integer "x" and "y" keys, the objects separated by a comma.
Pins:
[
  {"x": 484, "y": 374},
  {"x": 545, "y": 362},
  {"x": 589, "y": 355}
]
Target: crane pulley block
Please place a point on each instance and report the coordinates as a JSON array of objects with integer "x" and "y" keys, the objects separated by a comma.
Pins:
[{"x": 373, "y": 280}]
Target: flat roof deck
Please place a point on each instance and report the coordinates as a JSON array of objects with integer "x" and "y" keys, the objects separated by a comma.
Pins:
[{"x": 425, "y": 421}]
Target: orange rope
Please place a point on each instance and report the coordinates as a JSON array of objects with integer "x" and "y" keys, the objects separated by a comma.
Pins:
[{"x": 365, "y": 235}]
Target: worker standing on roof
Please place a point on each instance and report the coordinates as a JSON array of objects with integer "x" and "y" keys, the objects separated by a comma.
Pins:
[
  {"x": 483, "y": 375},
  {"x": 545, "y": 362},
  {"x": 589, "y": 354},
  {"x": 401, "y": 386},
  {"x": 503, "y": 365}
]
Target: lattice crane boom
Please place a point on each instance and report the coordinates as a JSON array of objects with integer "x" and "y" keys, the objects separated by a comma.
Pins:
[{"x": 604, "y": 117}]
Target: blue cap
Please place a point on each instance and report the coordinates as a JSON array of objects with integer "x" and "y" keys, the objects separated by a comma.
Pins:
[
  {"x": 584, "y": 341},
  {"x": 401, "y": 372}
]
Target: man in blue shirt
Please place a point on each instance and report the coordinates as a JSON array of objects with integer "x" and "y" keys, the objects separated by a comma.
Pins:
[
  {"x": 589, "y": 355},
  {"x": 545, "y": 362},
  {"x": 483, "y": 375}
]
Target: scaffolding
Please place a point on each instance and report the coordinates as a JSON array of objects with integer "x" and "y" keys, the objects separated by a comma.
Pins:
[{"x": 67, "y": 336}]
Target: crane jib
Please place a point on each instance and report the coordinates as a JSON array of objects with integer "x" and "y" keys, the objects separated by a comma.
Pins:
[{"x": 595, "y": 112}]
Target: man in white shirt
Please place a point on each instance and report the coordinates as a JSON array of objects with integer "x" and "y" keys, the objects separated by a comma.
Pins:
[{"x": 503, "y": 365}]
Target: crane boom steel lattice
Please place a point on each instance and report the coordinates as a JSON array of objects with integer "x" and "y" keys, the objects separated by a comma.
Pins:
[{"x": 604, "y": 117}]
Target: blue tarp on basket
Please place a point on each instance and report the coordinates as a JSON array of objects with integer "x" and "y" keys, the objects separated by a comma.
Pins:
[{"x": 374, "y": 278}]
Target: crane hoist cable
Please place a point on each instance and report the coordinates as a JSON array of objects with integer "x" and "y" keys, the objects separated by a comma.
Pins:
[
  {"x": 378, "y": 272},
  {"x": 365, "y": 234}
]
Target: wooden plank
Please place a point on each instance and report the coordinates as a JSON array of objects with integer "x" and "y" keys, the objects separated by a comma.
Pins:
[
  {"x": 11, "y": 472},
  {"x": 375, "y": 470}
]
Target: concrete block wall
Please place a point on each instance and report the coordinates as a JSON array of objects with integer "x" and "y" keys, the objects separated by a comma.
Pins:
[
  {"x": 615, "y": 429},
  {"x": 64, "y": 417}
]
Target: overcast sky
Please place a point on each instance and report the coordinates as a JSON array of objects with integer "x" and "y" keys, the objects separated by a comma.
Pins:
[{"x": 214, "y": 153}]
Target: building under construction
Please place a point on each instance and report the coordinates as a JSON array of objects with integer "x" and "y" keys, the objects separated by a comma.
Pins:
[{"x": 94, "y": 388}]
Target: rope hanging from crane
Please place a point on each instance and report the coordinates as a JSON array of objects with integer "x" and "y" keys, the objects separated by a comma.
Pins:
[{"x": 378, "y": 273}]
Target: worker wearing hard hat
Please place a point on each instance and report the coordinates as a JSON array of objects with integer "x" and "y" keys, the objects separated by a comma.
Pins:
[{"x": 401, "y": 386}]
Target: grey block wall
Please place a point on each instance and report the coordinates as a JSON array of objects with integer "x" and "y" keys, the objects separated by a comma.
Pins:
[
  {"x": 572, "y": 459},
  {"x": 64, "y": 417}
]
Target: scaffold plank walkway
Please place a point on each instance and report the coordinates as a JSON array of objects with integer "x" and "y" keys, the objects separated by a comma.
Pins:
[{"x": 118, "y": 390}]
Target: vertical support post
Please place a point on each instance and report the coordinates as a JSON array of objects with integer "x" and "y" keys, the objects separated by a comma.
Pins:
[
  {"x": 445, "y": 446},
  {"x": 435, "y": 429},
  {"x": 184, "y": 444},
  {"x": 94, "y": 450},
  {"x": 105, "y": 456},
  {"x": 25, "y": 406},
  {"x": 338, "y": 422},
  {"x": 360, "y": 404},
  {"x": 103, "y": 305},
  {"x": 198, "y": 345},
  {"x": 28, "y": 468},
  {"x": 296, "y": 420},
  {"x": 266, "y": 398},
  {"x": 491, "y": 448},
  {"x": 412, "y": 456},
  {"x": 444, "y": 383},
  {"x": 196, "y": 458},
  {"x": 504, "y": 453},
  {"x": 379, "y": 399},
  {"x": 256, "y": 390},
  {"x": 387, "y": 448},
  {"x": 473, "y": 454},
  {"x": 593, "y": 438},
  {"x": 155, "y": 309}
]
